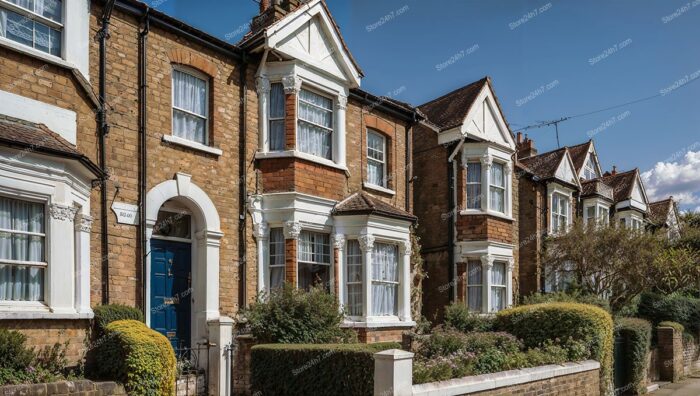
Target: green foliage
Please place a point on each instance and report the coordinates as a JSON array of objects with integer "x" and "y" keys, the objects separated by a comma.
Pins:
[
  {"x": 677, "y": 268},
  {"x": 674, "y": 325},
  {"x": 637, "y": 334},
  {"x": 137, "y": 356},
  {"x": 418, "y": 273},
  {"x": 675, "y": 308},
  {"x": 581, "y": 323},
  {"x": 106, "y": 314},
  {"x": 457, "y": 316},
  {"x": 570, "y": 297},
  {"x": 314, "y": 369},
  {"x": 448, "y": 341},
  {"x": 293, "y": 316},
  {"x": 53, "y": 358},
  {"x": 13, "y": 353}
]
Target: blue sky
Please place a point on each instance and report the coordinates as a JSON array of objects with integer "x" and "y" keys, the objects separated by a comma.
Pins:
[{"x": 547, "y": 59}]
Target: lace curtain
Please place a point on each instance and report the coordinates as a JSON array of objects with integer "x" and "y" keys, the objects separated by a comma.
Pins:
[
  {"x": 314, "y": 259},
  {"x": 474, "y": 285},
  {"x": 385, "y": 279},
  {"x": 315, "y": 125},
  {"x": 473, "y": 185},
  {"x": 354, "y": 279},
  {"x": 276, "y": 258},
  {"x": 189, "y": 107},
  {"x": 24, "y": 30},
  {"x": 498, "y": 286},
  {"x": 276, "y": 117},
  {"x": 21, "y": 239},
  {"x": 375, "y": 159}
]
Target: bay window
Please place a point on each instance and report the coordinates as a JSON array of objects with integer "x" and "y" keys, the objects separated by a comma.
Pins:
[
  {"x": 498, "y": 286},
  {"x": 385, "y": 279},
  {"x": 589, "y": 214},
  {"x": 497, "y": 188},
  {"x": 474, "y": 286},
  {"x": 314, "y": 260},
  {"x": 276, "y": 258},
  {"x": 315, "y": 124},
  {"x": 353, "y": 280},
  {"x": 376, "y": 159},
  {"x": 473, "y": 185},
  {"x": 22, "y": 250},
  {"x": 34, "y": 23},
  {"x": 560, "y": 212},
  {"x": 276, "y": 117},
  {"x": 603, "y": 215},
  {"x": 190, "y": 92}
]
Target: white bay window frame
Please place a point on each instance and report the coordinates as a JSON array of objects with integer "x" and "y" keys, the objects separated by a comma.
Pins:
[
  {"x": 487, "y": 285},
  {"x": 601, "y": 211},
  {"x": 556, "y": 191},
  {"x": 487, "y": 156}
]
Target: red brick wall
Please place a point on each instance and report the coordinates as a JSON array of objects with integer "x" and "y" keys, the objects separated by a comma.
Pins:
[
  {"x": 45, "y": 333},
  {"x": 290, "y": 265},
  {"x": 532, "y": 225},
  {"x": 484, "y": 227},
  {"x": 294, "y": 174},
  {"x": 579, "y": 384},
  {"x": 372, "y": 335}
]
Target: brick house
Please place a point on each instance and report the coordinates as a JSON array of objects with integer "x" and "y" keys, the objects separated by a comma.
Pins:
[
  {"x": 664, "y": 217},
  {"x": 466, "y": 199}
]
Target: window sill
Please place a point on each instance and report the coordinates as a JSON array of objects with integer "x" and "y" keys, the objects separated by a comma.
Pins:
[
  {"x": 373, "y": 322},
  {"x": 299, "y": 154},
  {"x": 381, "y": 189},
  {"x": 468, "y": 212},
  {"x": 29, "y": 310},
  {"x": 193, "y": 145},
  {"x": 48, "y": 58}
]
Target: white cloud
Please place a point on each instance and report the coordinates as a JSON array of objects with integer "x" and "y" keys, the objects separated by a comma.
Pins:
[{"x": 680, "y": 179}]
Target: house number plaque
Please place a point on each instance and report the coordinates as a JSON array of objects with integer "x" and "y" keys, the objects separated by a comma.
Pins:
[{"x": 126, "y": 213}]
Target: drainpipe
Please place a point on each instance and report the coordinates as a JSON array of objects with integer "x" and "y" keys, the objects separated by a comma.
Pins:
[
  {"x": 143, "y": 119},
  {"x": 451, "y": 172},
  {"x": 409, "y": 163},
  {"x": 102, "y": 132},
  {"x": 243, "y": 188}
]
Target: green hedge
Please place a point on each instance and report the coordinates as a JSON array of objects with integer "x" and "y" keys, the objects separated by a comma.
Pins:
[
  {"x": 458, "y": 316},
  {"x": 679, "y": 308},
  {"x": 137, "y": 356},
  {"x": 538, "y": 323},
  {"x": 637, "y": 334},
  {"x": 315, "y": 369},
  {"x": 106, "y": 314},
  {"x": 674, "y": 325}
]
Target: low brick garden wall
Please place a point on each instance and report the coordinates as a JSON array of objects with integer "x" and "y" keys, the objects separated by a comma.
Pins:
[
  {"x": 241, "y": 364},
  {"x": 81, "y": 387}
]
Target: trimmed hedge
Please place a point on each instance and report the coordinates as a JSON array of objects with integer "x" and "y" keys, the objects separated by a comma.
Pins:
[
  {"x": 137, "y": 356},
  {"x": 315, "y": 369},
  {"x": 458, "y": 316},
  {"x": 674, "y": 325},
  {"x": 106, "y": 314},
  {"x": 535, "y": 324},
  {"x": 637, "y": 334}
]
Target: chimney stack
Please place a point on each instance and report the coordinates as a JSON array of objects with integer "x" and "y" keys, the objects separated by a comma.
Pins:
[
  {"x": 614, "y": 170},
  {"x": 264, "y": 5},
  {"x": 526, "y": 148},
  {"x": 272, "y": 11},
  {"x": 519, "y": 138}
]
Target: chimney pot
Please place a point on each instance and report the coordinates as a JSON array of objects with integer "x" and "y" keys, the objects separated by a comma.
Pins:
[
  {"x": 519, "y": 138},
  {"x": 614, "y": 170},
  {"x": 264, "y": 5}
]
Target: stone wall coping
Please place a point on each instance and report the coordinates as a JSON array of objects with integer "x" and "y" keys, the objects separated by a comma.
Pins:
[{"x": 501, "y": 379}]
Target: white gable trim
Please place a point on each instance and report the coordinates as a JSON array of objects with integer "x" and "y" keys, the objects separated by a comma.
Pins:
[
  {"x": 567, "y": 158},
  {"x": 596, "y": 162},
  {"x": 486, "y": 96},
  {"x": 278, "y": 32}
]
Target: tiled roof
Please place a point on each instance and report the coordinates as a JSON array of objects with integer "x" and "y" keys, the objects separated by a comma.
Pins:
[
  {"x": 544, "y": 165},
  {"x": 622, "y": 183},
  {"x": 578, "y": 154},
  {"x": 658, "y": 211},
  {"x": 39, "y": 138},
  {"x": 375, "y": 101},
  {"x": 362, "y": 203},
  {"x": 449, "y": 110}
]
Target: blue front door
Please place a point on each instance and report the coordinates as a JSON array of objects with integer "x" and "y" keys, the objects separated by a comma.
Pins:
[{"x": 171, "y": 293}]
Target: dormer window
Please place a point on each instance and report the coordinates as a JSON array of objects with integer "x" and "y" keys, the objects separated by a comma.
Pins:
[
  {"x": 315, "y": 124},
  {"x": 33, "y": 23}
]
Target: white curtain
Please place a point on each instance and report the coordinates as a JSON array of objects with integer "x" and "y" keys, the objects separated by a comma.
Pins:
[
  {"x": 498, "y": 188},
  {"x": 276, "y": 117},
  {"x": 313, "y": 259},
  {"x": 498, "y": 289},
  {"x": 375, "y": 159},
  {"x": 50, "y": 9},
  {"x": 474, "y": 185},
  {"x": 190, "y": 94},
  {"x": 354, "y": 279},
  {"x": 276, "y": 258},
  {"x": 474, "y": 285},
  {"x": 385, "y": 278},
  {"x": 3, "y": 23},
  {"x": 21, "y": 282},
  {"x": 315, "y": 124}
]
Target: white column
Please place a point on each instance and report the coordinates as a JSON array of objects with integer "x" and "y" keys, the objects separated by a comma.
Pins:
[
  {"x": 339, "y": 243},
  {"x": 339, "y": 152},
  {"x": 262, "y": 237},
  {"x": 405, "y": 282},
  {"x": 208, "y": 244},
  {"x": 59, "y": 284},
  {"x": 509, "y": 280},
  {"x": 486, "y": 268},
  {"x": 366, "y": 245},
  {"x": 262, "y": 85},
  {"x": 220, "y": 339},
  {"x": 393, "y": 373},
  {"x": 486, "y": 162},
  {"x": 83, "y": 225}
]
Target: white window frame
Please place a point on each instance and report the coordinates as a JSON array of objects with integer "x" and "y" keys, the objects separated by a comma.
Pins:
[
  {"x": 396, "y": 283},
  {"x": 566, "y": 214},
  {"x": 477, "y": 183},
  {"x": 270, "y": 266},
  {"x": 332, "y": 110},
  {"x": 497, "y": 187},
  {"x": 329, "y": 264},
  {"x": 589, "y": 168},
  {"x": 493, "y": 286},
  {"x": 347, "y": 278},
  {"x": 487, "y": 156},
  {"x": 600, "y": 218},
  {"x": 384, "y": 163},
  {"x": 34, "y": 17},
  {"x": 199, "y": 75},
  {"x": 480, "y": 285},
  {"x": 270, "y": 118},
  {"x": 487, "y": 261}
]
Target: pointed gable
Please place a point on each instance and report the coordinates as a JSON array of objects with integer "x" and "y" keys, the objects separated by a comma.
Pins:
[
  {"x": 565, "y": 170},
  {"x": 584, "y": 156}
]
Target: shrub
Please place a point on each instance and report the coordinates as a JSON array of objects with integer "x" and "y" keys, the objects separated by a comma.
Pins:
[
  {"x": 106, "y": 314},
  {"x": 140, "y": 358},
  {"x": 674, "y": 325},
  {"x": 53, "y": 358},
  {"x": 314, "y": 369},
  {"x": 293, "y": 316},
  {"x": 448, "y": 341},
  {"x": 457, "y": 316},
  {"x": 13, "y": 353},
  {"x": 592, "y": 326},
  {"x": 572, "y": 297},
  {"x": 637, "y": 334},
  {"x": 679, "y": 308}
]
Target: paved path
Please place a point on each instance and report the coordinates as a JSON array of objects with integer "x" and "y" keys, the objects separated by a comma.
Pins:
[{"x": 688, "y": 387}]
